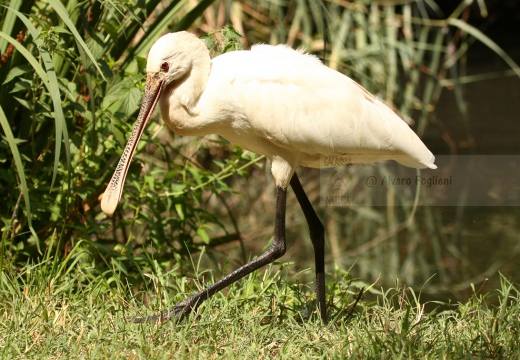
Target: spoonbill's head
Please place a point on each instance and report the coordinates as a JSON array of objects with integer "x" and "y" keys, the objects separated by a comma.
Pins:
[{"x": 170, "y": 59}]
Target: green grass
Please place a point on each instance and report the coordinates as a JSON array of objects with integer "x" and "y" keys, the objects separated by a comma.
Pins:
[
  {"x": 64, "y": 310},
  {"x": 73, "y": 301}
]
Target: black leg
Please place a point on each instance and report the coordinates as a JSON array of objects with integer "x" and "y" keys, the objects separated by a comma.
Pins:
[
  {"x": 275, "y": 251},
  {"x": 317, "y": 233}
]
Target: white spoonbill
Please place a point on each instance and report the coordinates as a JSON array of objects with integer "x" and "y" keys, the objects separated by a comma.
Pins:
[{"x": 275, "y": 101}]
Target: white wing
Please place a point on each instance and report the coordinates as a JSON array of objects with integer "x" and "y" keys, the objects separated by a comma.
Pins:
[{"x": 296, "y": 103}]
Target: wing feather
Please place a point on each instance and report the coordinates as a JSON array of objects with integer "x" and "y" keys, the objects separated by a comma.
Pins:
[{"x": 296, "y": 103}]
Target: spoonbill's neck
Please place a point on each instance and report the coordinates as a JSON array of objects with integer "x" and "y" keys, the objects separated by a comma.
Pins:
[{"x": 179, "y": 100}]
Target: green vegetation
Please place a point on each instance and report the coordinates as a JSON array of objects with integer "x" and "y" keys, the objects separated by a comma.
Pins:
[
  {"x": 71, "y": 79},
  {"x": 47, "y": 313}
]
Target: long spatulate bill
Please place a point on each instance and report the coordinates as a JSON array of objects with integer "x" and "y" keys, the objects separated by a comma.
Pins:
[{"x": 112, "y": 194}]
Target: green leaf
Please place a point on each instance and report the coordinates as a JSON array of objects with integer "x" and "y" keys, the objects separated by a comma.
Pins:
[
  {"x": 122, "y": 95},
  {"x": 16, "y": 72},
  {"x": 141, "y": 64},
  {"x": 130, "y": 100},
  {"x": 60, "y": 30},
  {"x": 21, "y": 85},
  {"x": 203, "y": 235},
  {"x": 180, "y": 211}
]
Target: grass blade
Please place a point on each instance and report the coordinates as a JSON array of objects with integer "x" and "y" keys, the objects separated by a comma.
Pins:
[
  {"x": 19, "y": 168},
  {"x": 479, "y": 35},
  {"x": 29, "y": 57},
  {"x": 193, "y": 15},
  {"x": 124, "y": 41},
  {"x": 8, "y": 25},
  {"x": 62, "y": 12},
  {"x": 54, "y": 91},
  {"x": 152, "y": 33}
]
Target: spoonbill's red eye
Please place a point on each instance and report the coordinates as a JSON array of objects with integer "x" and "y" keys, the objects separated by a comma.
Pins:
[{"x": 165, "y": 66}]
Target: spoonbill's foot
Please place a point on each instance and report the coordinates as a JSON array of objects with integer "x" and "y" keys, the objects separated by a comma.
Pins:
[{"x": 180, "y": 310}]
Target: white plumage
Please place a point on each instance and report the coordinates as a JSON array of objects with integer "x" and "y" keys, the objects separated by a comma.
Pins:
[
  {"x": 271, "y": 100},
  {"x": 283, "y": 103}
]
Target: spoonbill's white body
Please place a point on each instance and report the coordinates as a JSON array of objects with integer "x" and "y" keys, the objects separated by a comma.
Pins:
[{"x": 275, "y": 101}]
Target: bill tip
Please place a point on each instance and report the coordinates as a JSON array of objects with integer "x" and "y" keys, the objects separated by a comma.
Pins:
[{"x": 107, "y": 206}]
